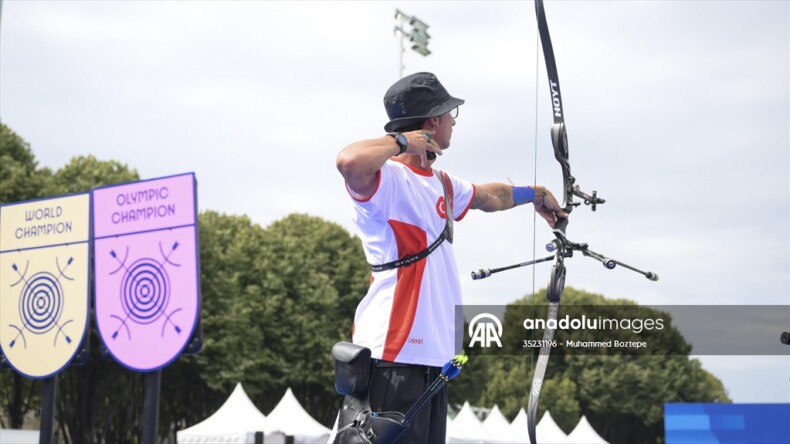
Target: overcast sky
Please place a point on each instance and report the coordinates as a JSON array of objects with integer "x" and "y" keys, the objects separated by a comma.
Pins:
[{"x": 678, "y": 113}]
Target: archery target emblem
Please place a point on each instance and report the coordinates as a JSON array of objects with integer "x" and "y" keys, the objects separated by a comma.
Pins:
[
  {"x": 145, "y": 293},
  {"x": 40, "y": 306},
  {"x": 146, "y": 270},
  {"x": 44, "y": 283},
  {"x": 41, "y": 303},
  {"x": 144, "y": 290}
]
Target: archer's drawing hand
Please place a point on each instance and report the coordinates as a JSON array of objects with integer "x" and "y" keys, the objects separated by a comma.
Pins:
[
  {"x": 421, "y": 143},
  {"x": 547, "y": 206}
]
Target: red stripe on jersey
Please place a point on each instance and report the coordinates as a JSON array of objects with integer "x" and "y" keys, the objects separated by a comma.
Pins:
[
  {"x": 411, "y": 240},
  {"x": 358, "y": 197},
  {"x": 450, "y": 193},
  {"x": 417, "y": 170},
  {"x": 471, "y": 201}
]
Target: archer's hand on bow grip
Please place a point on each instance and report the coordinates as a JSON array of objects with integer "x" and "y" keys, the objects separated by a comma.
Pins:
[{"x": 547, "y": 206}]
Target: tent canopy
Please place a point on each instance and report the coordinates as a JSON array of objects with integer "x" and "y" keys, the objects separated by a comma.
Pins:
[
  {"x": 548, "y": 431},
  {"x": 499, "y": 429},
  {"x": 290, "y": 418},
  {"x": 584, "y": 434},
  {"x": 467, "y": 427},
  {"x": 229, "y": 424}
]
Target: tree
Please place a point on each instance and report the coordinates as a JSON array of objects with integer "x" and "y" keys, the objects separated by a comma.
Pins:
[
  {"x": 20, "y": 178},
  {"x": 83, "y": 173},
  {"x": 325, "y": 275}
]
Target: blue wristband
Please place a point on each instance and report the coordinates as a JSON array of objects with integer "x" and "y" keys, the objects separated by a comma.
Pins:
[{"x": 522, "y": 195}]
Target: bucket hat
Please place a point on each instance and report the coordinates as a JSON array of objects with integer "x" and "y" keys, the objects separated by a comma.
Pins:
[{"x": 414, "y": 98}]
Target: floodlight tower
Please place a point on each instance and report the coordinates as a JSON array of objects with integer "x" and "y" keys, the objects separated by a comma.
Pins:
[{"x": 417, "y": 34}]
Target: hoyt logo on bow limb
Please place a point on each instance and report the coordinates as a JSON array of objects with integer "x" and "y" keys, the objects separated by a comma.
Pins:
[
  {"x": 485, "y": 332},
  {"x": 555, "y": 98}
]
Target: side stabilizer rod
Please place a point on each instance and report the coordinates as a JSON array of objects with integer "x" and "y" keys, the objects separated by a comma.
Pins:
[{"x": 610, "y": 264}]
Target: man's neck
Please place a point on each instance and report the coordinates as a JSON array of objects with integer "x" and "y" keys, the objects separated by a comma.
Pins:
[{"x": 413, "y": 160}]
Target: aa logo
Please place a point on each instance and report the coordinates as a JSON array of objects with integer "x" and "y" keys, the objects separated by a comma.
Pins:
[{"x": 484, "y": 329}]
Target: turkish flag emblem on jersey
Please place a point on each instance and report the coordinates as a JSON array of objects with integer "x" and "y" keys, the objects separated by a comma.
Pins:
[{"x": 441, "y": 208}]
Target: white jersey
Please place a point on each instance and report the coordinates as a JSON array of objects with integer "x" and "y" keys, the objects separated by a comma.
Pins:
[{"x": 408, "y": 314}]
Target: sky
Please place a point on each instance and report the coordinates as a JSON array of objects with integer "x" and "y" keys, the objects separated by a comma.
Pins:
[{"x": 678, "y": 114}]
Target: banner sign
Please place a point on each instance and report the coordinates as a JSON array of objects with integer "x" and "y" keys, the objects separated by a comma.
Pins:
[
  {"x": 44, "y": 282},
  {"x": 146, "y": 269}
]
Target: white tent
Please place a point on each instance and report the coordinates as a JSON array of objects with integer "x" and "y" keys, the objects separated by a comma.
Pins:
[
  {"x": 549, "y": 432},
  {"x": 519, "y": 426},
  {"x": 235, "y": 422},
  {"x": 584, "y": 434},
  {"x": 289, "y": 418},
  {"x": 498, "y": 428},
  {"x": 466, "y": 427},
  {"x": 454, "y": 436}
]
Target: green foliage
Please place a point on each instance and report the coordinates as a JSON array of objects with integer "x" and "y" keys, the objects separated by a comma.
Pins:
[
  {"x": 84, "y": 173},
  {"x": 19, "y": 177}
]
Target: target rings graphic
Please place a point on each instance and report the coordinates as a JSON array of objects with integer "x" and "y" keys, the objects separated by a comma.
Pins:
[
  {"x": 145, "y": 291},
  {"x": 41, "y": 303}
]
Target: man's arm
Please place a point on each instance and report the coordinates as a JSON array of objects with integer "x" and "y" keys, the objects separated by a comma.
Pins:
[
  {"x": 499, "y": 196},
  {"x": 360, "y": 162}
]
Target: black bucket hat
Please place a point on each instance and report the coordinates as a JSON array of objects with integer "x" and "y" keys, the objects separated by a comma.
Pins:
[{"x": 414, "y": 98}]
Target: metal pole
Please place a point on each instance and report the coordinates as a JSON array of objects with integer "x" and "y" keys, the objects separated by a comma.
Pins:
[
  {"x": 402, "y": 49},
  {"x": 153, "y": 383},
  {"x": 400, "y": 70},
  {"x": 48, "y": 411}
]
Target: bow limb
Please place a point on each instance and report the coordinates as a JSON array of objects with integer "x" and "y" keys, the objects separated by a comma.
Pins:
[{"x": 559, "y": 140}]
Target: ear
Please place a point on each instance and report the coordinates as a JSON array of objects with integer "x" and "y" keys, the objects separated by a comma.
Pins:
[{"x": 431, "y": 123}]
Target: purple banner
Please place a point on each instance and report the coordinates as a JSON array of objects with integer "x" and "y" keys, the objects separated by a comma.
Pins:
[{"x": 146, "y": 266}]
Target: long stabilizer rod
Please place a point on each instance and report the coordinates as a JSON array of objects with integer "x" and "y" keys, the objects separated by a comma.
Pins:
[{"x": 486, "y": 272}]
